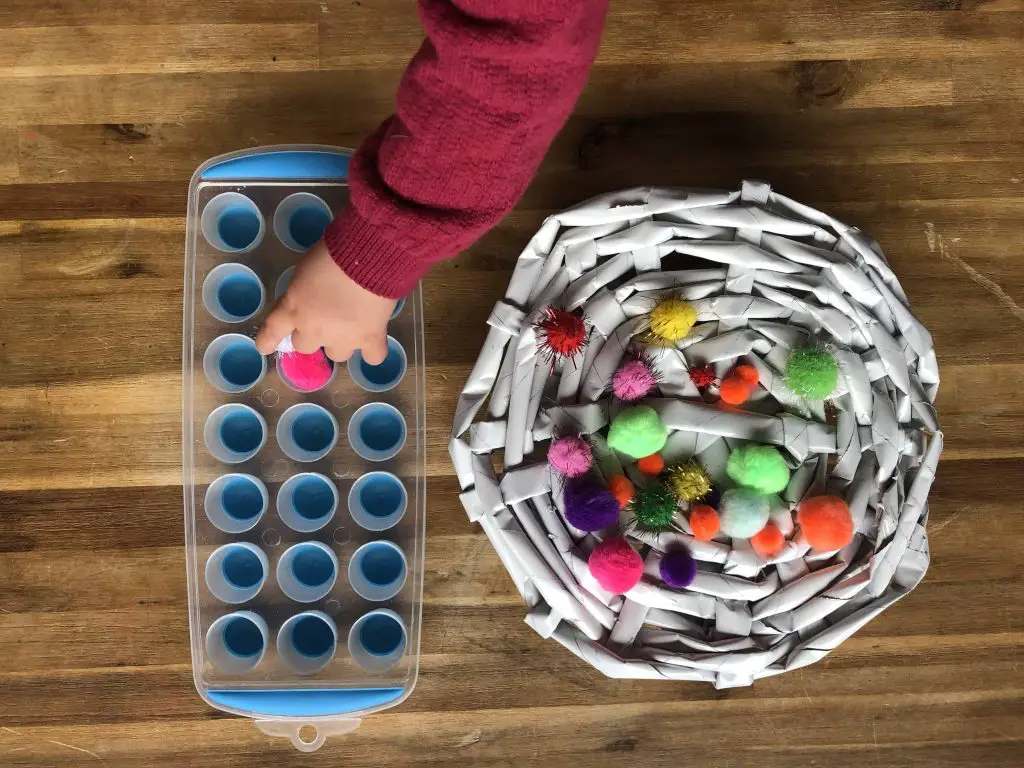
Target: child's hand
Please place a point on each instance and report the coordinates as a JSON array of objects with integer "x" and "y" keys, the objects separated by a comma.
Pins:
[{"x": 323, "y": 307}]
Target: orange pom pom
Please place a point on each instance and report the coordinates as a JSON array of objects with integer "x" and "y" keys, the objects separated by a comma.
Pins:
[
  {"x": 652, "y": 465},
  {"x": 826, "y": 522},
  {"x": 769, "y": 541},
  {"x": 704, "y": 522},
  {"x": 746, "y": 372},
  {"x": 734, "y": 390},
  {"x": 621, "y": 488}
]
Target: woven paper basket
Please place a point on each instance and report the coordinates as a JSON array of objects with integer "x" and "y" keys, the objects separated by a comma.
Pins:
[{"x": 766, "y": 275}]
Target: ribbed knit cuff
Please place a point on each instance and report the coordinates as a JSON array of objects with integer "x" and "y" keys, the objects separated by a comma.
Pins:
[{"x": 362, "y": 252}]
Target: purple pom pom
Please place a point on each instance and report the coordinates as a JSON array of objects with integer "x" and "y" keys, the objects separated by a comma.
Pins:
[
  {"x": 678, "y": 568},
  {"x": 570, "y": 456},
  {"x": 633, "y": 380},
  {"x": 713, "y": 498},
  {"x": 590, "y": 506}
]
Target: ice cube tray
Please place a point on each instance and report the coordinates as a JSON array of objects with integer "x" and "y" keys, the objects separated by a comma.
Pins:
[{"x": 304, "y": 511}]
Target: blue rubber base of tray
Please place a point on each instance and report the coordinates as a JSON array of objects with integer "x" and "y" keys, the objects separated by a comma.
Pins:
[
  {"x": 306, "y": 703},
  {"x": 289, "y": 164}
]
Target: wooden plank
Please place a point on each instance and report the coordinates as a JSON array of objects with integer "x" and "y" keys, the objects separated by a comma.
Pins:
[
  {"x": 57, "y": 13},
  {"x": 184, "y": 97},
  {"x": 157, "y": 48},
  {"x": 25, "y": 13},
  {"x": 988, "y": 81},
  {"x": 650, "y": 31},
  {"x": 766, "y": 87},
  {"x": 61, "y": 154},
  {"x": 954, "y": 133},
  {"x": 773, "y": 732},
  {"x": 369, "y": 95}
]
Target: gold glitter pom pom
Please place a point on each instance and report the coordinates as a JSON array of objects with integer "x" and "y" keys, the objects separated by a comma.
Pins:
[{"x": 689, "y": 482}]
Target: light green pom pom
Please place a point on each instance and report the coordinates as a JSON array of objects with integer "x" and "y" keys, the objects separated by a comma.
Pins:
[
  {"x": 742, "y": 512},
  {"x": 812, "y": 373},
  {"x": 759, "y": 467},
  {"x": 637, "y": 432}
]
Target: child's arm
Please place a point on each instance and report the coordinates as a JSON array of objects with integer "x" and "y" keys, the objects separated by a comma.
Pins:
[{"x": 477, "y": 109}]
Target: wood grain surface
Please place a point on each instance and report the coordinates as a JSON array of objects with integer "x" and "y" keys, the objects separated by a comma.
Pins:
[{"x": 903, "y": 117}]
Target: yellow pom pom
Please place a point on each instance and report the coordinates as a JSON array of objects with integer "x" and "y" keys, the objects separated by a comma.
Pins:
[
  {"x": 689, "y": 482},
  {"x": 672, "y": 319}
]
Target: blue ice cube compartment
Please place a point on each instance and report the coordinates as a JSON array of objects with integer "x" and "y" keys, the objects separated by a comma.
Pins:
[{"x": 304, "y": 511}]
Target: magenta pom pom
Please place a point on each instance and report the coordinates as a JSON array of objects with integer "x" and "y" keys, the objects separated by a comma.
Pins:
[
  {"x": 634, "y": 380},
  {"x": 307, "y": 373},
  {"x": 616, "y": 565},
  {"x": 570, "y": 456},
  {"x": 678, "y": 568},
  {"x": 590, "y": 506}
]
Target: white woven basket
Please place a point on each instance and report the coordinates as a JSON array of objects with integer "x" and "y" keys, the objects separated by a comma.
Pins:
[{"x": 766, "y": 275}]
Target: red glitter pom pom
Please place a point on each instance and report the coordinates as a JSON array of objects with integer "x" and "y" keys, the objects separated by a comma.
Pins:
[
  {"x": 562, "y": 333},
  {"x": 703, "y": 376}
]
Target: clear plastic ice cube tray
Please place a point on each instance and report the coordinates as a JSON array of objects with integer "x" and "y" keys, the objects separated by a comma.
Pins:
[{"x": 304, "y": 511}]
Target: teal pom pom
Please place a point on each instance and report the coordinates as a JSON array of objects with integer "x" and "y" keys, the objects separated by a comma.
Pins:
[
  {"x": 742, "y": 513},
  {"x": 812, "y": 373},
  {"x": 653, "y": 508},
  {"x": 759, "y": 467},
  {"x": 637, "y": 432}
]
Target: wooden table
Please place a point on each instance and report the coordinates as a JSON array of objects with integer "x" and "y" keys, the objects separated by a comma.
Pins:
[{"x": 904, "y": 117}]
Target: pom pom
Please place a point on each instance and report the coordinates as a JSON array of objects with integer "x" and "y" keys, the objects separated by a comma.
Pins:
[
  {"x": 637, "y": 432},
  {"x": 672, "y": 319},
  {"x": 704, "y": 522},
  {"x": 652, "y": 465},
  {"x": 653, "y": 508},
  {"x": 742, "y": 513},
  {"x": 561, "y": 333},
  {"x": 615, "y": 565},
  {"x": 826, "y": 522},
  {"x": 748, "y": 373},
  {"x": 689, "y": 482},
  {"x": 769, "y": 541},
  {"x": 590, "y": 506},
  {"x": 734, "y": 390},
  {"x": 570, "y": 456},
  {"x": 812, "y": 373},
  {"x": 704, "y": 376},
  {"x": 713, "y": 497},
  {"x": 677, "y": 568},
  {"x": 306, "y": 373},
  {"x": 634, "y": 379},
  {"x": 622, "y": 489},
  {"x": 760, "y": 467}
]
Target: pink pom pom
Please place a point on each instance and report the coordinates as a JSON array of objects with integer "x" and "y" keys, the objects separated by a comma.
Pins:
[
  {"x": 570, "y": 456},
  {"x": 616, "y": 565},
  {"x": 633, "y": 380},
  {"x": 306, "y": 373}
]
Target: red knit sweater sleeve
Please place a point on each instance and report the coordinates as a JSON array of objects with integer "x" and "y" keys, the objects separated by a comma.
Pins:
[{"x": 477, "y": 109}]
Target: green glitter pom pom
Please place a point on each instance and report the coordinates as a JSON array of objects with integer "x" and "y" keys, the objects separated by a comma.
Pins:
[
  {"x": 759, "y": 467},
  {"x": 653, "y": 508},
  {"x": 812, "y": 373}
]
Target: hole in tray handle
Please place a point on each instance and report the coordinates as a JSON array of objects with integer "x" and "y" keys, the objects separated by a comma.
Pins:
[{"x": 294, "y": 730}]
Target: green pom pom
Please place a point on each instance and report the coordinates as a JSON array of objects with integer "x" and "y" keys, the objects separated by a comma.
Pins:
[
  {"x": 759, "y": 467},
  {"x": 637, "y": 432},
  {"x": 812, "y": 373},
  {"x": 653, "y": 508}
]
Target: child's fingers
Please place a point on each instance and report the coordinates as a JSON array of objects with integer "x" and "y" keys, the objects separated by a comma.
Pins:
[
  {"x": 304, "y": 343},
  {"x": 374, "y": 349},
  {"x": 278, "y": 324},
  {"x": 339, "y": 353}
]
